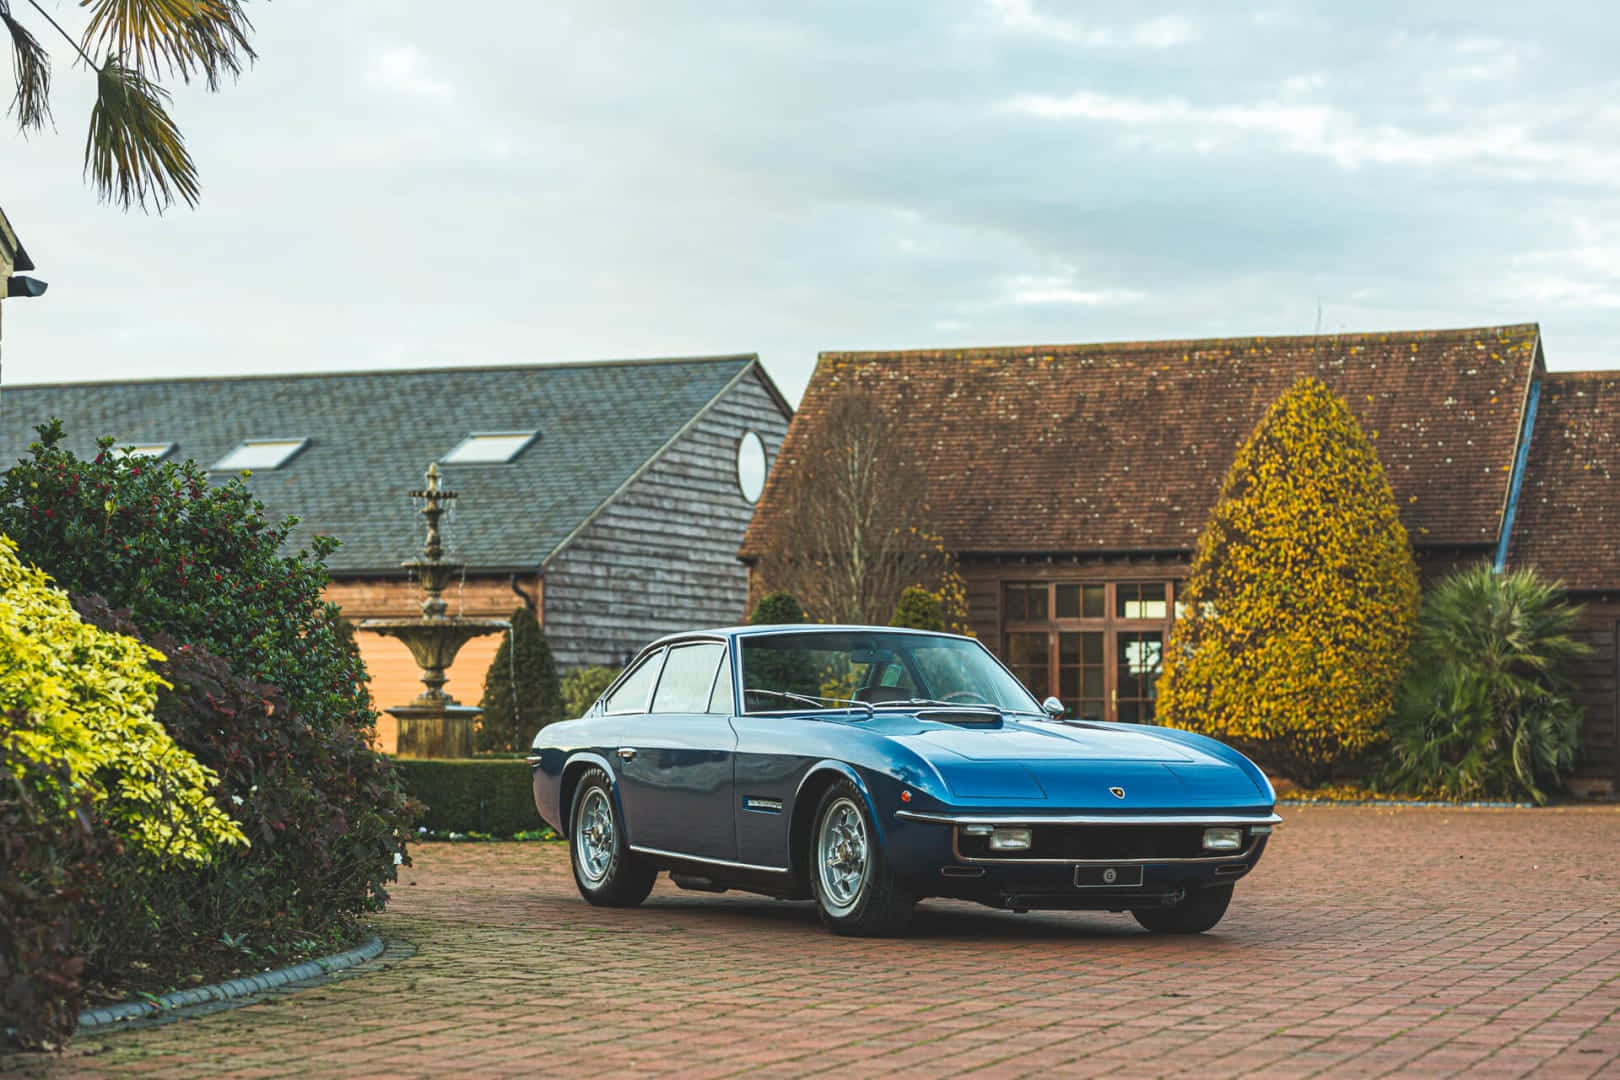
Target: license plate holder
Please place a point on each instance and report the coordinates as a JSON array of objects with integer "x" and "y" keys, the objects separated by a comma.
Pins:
[{"x": 1107, "y": 877}]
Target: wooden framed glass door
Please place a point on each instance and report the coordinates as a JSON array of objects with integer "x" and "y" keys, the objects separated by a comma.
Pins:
[{"x": 1096, "y": 646}]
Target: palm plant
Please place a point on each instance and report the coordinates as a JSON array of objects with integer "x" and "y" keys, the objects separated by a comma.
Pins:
[
  {"x": 1484, "y": 711},
  {"x": 133, "y": 153}
]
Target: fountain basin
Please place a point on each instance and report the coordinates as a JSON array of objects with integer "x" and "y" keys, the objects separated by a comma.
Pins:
[{"x": 435, "y": 725}]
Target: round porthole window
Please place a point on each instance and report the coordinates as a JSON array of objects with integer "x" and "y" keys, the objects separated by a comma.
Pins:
[{"x": 750, "y": 466}]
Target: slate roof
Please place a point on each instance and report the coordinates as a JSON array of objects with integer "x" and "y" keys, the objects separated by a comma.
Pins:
[
  {"x": 373, "y": 434},
  {"x": 1122, "y": 447},
  {"x": 1568, "y": 521}
]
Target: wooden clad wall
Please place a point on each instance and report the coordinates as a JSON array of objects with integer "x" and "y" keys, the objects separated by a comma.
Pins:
[
  {"x": 1597, "y": 689},
  {"x": 395, "y": 678},
  {"x": 662, "y": 555}
]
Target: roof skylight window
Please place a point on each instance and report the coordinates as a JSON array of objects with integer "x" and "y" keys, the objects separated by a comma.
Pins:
[
  {"x": 259, "y": 454},
  {"x": 489, "y": 447},
  {"x": 157, "y": 451}
]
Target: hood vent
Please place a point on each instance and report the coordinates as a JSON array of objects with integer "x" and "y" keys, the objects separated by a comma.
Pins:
[{"x": 988, "y": 718}]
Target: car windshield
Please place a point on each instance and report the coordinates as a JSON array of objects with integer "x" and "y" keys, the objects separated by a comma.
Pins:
[{"x": 808, "y": 668}]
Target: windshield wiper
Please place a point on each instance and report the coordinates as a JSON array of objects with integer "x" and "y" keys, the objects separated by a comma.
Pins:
[
  {"x": 815, "y": 703},
  {"x": 943, "y": 704}
]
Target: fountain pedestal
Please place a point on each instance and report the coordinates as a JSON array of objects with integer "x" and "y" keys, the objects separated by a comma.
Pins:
[{"x": 434, "y": 725}]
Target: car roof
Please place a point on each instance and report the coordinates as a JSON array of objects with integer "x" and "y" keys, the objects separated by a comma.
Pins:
[{"x": 721, "y": 632}]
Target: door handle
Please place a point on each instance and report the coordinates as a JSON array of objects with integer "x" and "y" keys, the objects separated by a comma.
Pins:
[{"x": 627, "y": 753}]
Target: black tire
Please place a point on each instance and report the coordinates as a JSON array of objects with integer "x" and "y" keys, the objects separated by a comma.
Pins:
[
  {"x": 1198, "y": 911},
  {"x": 858, "y": 897},
  {"x": 607, "y": 873}
]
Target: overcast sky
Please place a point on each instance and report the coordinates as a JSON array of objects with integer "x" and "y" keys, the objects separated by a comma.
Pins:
[{"x": 398, "y": 183}]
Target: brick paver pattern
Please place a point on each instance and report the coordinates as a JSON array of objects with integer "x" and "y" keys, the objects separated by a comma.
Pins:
[{"x": 1371, "y": 942}]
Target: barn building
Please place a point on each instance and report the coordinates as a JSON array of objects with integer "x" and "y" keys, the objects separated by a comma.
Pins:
[
  {"x": 610, "y": 497},
  {"x": 1072, "y": 481}
]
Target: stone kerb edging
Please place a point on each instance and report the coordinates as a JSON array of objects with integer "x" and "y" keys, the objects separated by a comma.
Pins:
[{"x": 246, "y": 986}]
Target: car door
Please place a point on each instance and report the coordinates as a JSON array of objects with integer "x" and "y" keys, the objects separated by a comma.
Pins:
[
  {"x": 774, "y": 751},
  {"x": 676, "y": 761}
]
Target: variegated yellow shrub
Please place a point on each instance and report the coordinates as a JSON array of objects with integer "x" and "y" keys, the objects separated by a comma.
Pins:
[
  {"x": 1300, "y": 603},
  {"x": 92, "y": 693}
]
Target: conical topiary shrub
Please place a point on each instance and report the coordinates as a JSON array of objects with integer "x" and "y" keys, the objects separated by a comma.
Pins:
[
  {"x": 918, "y": 609},
  {"x": 777, "y": 608},
  {"x": 521, "y": 689},
  {"x": 1294, "y": 622}
]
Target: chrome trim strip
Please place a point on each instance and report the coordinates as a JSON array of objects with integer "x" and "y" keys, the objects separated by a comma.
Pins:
[
  {"x": 1086, "y": 819},
  {"x": 1096, "y": 862},
  {"x": 711, "y": 862}
]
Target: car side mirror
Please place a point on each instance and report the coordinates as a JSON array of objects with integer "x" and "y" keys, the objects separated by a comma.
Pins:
[{"x": 1053, "y": 707}]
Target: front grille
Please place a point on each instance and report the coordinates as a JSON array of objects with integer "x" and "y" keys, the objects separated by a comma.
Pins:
[{"x": 1103, "y": 843}]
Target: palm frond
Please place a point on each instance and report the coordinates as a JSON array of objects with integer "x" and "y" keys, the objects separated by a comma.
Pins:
[
  {"x": 32, "y": 65},
  {"x": 206, "y": 37},
  {"x": 134, "y": 151}
]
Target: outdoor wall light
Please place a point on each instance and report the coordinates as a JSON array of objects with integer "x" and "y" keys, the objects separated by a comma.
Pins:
[{"x": 20, "y": 285}]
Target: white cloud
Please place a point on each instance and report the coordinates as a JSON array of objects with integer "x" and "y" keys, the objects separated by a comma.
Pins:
[
  {"x": 1502, "y": 140},
  {"x": 401, "y": 70},
  {"x": 1031, "y": 289},
  {"x": 1159, "y": 32}
]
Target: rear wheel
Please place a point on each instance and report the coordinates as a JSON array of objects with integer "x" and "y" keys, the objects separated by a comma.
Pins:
[
  {"x": 1198, "y": 911},
  {"x": 854, "y": 889},
  {"x": 607, "y": 873}
]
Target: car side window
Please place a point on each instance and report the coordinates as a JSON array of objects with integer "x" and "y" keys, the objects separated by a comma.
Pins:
[
  {"x": 631, "y": 695},
  {"x": 688, "y": 677},
  {"x": 723, "y": 700}
]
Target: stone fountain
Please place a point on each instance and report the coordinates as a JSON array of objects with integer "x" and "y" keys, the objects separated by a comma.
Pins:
[{"x": 434, "y": 725}]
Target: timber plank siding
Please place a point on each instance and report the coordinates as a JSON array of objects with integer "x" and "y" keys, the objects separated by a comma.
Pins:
[
  {"x": 1597, "y": 691},
  {"x": 661, "y": 555}
]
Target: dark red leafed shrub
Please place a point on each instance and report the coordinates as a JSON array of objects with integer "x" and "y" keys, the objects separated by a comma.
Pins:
[
  {"x": 49, "y": 857},
  {"x": 322, "y": 811}
]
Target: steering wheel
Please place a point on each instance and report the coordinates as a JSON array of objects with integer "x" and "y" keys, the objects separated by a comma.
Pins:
[{"x": 964, "y": 697}]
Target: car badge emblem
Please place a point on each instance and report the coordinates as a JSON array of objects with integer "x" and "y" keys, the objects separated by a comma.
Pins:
[
  {"x": 1110, "y": 876},
  {"x": 1117, "y": 792}
]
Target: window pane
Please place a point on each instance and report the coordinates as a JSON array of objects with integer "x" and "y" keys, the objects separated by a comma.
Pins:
[
  {"x": 1037, "y": 603},
  {"x": 259, "y": 454},
  {"x": 1017, "y": 609},
  {"x": 1093, "y": 606},
  {"x": 1137, "y": 601},
  {"x": 1153, "y": 605},
  {"x": 631, "y": 696},
  {"x": 1069, "y": 648},
  {"x": 723, "y": 700},
  {"x": 489, "y": 448},
  {"x": 688, "y": 678},
  {"x": 1068, "y": 601},
  {"x": 1091, "y": 649},
  {"x": 1092, "y": 687},
  {"x": 1068, "y": 683},
  {"x": 1091, "y": 709},
  {"x": 1027, "y": 657}
]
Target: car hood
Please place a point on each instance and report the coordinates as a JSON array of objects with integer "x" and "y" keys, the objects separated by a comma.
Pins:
[{"x": 1078, "y": 766}]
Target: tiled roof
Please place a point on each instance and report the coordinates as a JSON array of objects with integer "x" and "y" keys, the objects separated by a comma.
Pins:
[
  {"x": 373, "y": 434},
  {"x": 1121, "y": 447},
  {"x": 1568, "y": 521}
]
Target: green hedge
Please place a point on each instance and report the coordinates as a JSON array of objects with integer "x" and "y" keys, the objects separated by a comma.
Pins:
[{"x": 486, "y": 795}]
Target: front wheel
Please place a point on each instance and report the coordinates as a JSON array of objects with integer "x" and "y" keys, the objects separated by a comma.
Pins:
[
  {"x": 1198, "y": 911},
  {"x": 855, "y": 891},
  {"x": 607, "y": 874}
]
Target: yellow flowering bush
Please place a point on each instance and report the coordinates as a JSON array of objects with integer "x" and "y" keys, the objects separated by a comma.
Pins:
[
  {"x": 90, "y": 694},
  {"x": 1301, "y": 599}
]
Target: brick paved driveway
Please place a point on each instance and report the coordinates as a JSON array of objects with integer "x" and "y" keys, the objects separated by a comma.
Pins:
[{"x": 1413, "y": 941}]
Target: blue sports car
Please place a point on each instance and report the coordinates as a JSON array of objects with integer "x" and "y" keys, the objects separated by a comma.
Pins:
[{"x": 869, "y": 767}]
